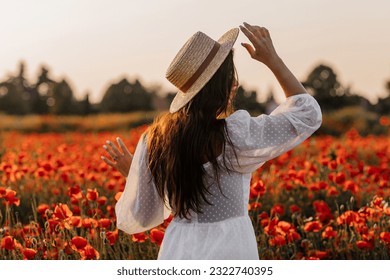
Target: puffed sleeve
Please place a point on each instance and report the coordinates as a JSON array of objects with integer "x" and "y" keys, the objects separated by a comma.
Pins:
[
  {"x": 140, "y": 208},
  {"x": 259, "y": 139}
]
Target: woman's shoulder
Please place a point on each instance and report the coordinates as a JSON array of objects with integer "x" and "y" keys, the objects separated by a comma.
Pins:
[
  {"x": 237, "y": 117},
  {"x": 238, "y": 121},
  {"x": 238, "y": 126}
]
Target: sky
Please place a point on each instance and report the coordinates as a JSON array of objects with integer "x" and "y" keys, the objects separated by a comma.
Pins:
[{"x": 98, "y": 42}]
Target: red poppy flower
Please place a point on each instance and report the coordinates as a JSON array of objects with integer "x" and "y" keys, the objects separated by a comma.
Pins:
[
  {"x": 332, "y": 176},
  {"x": 10, "y": 197},
  {"x": 312, "y": 226},
  {"x": 385, "y": 236},
  {"x": 314, "y": 187},
  {"x": 254, "y": 205},
  {"x": 349, "y": 218},
  {"x": 332, "y": 164},
  {"x": 112, "y": 236},
  {"x": 293, "y": 235},
  {"x": 40, "y": 172},
  {"x": 340, "y": 178},
  {"x": 53, "y": 225},
  {"x": 92, "y": 195},
  {"x": 321, "y": 206},
  {"x": 111, "y": 184},
  {"x": 105, "y": 223},
  {"x": 350, "y": 185},
  {"x": 32, "y": 229},
  {"x": 3, "y": 191},
  {"x": 75, "y": 221},
  {"x": 377, "y": 201},
  {"x": 111, "y": 211},
  {"x": 323, "y": 211},
  {"x": 264, "y": 222},
  {"x": 156, "y": 236},
  {"x": 76, "y": 210},
  {"x": 46, "y": 166},
  {"x": 271, "y": 229},
  {"x": 332, "y": 191},
  {"x": 319, "y": 254},
  {"x": 295, "y": 208},
  {"x": 116, "y": 175},
  {"x": 62, "y": 212},
  {"x": 51, "y": 254},
  {"x": 369, "y": 213},
  {"x": 79, "y": 242},
  {"x": 73, "y": 190},
  {"x": 285, "y": 226},
  {"x": 277, "y": 209},
  {"x": 139, "y": 237},
  {"x": 29, "y": 253},
  {"x": 257, "y": 189},
  {"x": 42, "y": 209},
  {"x": 263, "y": 215},
  {"x": 364, "y": 245},
  {"x": 329, "y": 232},
  {"x": 277, "y": 241},
  {"x": 89, "y": 253},
  {"x": 102, "y": 200},
  {"x": 8, "y": 243},
  {"x": 89, "y": 223}
]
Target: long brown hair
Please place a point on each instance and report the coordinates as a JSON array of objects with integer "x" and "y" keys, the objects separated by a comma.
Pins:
[{"x": 180, "y": 143}]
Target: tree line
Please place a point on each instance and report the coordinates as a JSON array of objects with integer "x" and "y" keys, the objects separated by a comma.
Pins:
[{"x": 18, "y": 96}]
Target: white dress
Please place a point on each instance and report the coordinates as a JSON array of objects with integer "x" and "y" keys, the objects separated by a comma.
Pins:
[{"x": 224, "y": 230}]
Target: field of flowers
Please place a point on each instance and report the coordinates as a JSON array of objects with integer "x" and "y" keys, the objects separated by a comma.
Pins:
[{"x": 326, "y": 199}]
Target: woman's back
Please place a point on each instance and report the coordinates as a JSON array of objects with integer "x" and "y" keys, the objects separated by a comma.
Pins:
[
  {"x": 224, "y": 229},
  {"x": 169, "y": 175}
]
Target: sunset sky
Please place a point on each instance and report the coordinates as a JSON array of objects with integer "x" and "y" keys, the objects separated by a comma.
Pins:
[{"x": 94, "y": 43}]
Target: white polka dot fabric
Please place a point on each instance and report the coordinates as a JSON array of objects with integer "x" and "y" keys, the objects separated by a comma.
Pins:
[{"x": 224, "y": 229}]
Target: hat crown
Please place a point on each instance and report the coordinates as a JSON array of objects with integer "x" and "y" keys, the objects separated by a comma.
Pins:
[{"x": 189, "y": 58}]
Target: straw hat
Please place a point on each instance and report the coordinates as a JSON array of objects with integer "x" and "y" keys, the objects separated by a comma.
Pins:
[{"x": 196, "y": 63}]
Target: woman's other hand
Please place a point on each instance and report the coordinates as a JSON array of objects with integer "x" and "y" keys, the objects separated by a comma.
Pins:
[
  {"x": 120, "y": 159},
  {"x": 263, "y": 49}
]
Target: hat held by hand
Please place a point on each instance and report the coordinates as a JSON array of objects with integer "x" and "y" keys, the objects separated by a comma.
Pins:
[{"x": 196, "y": 63}]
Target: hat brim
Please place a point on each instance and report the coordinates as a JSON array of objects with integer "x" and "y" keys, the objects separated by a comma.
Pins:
[{"x": 226, "y": 44}]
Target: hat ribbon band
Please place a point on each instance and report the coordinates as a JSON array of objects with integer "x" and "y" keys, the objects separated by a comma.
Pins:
[{"x": 201, "y": 68}]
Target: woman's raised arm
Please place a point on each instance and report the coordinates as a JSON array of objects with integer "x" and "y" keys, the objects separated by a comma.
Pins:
[{"x": 263, "y": 50}]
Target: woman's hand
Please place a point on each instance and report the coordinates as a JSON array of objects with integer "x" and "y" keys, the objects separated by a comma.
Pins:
[
  {"x": 263, "y": 49},
  {"x": 121, "y": 160}
]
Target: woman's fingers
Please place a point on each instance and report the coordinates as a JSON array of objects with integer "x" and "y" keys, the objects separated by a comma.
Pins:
[
  {"x": 257, "y": 31},
  {"x": 251, "y": 28},
  {"x": 114, "y": 152},
  {"x": 249, "y": 48},
  {"x": 109, "y": 162},
  {"x": 121, "y": 160},
  {"x": 262, "y": 48},
  {"x": 248, "y": 34},
  {"x": 123, "y": 147},
  {"x": 114, "y": 148},
  {"x": 110, "y": 152}
]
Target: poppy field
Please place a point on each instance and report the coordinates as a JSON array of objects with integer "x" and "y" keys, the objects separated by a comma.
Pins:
[{"x": 326, "y": 199}]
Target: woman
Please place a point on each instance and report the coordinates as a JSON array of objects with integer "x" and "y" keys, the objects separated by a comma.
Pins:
[{"x": 196, "y": 161}]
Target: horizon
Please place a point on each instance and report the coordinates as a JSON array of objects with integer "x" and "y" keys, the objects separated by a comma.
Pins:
[{"x": 94, "y": 45}]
